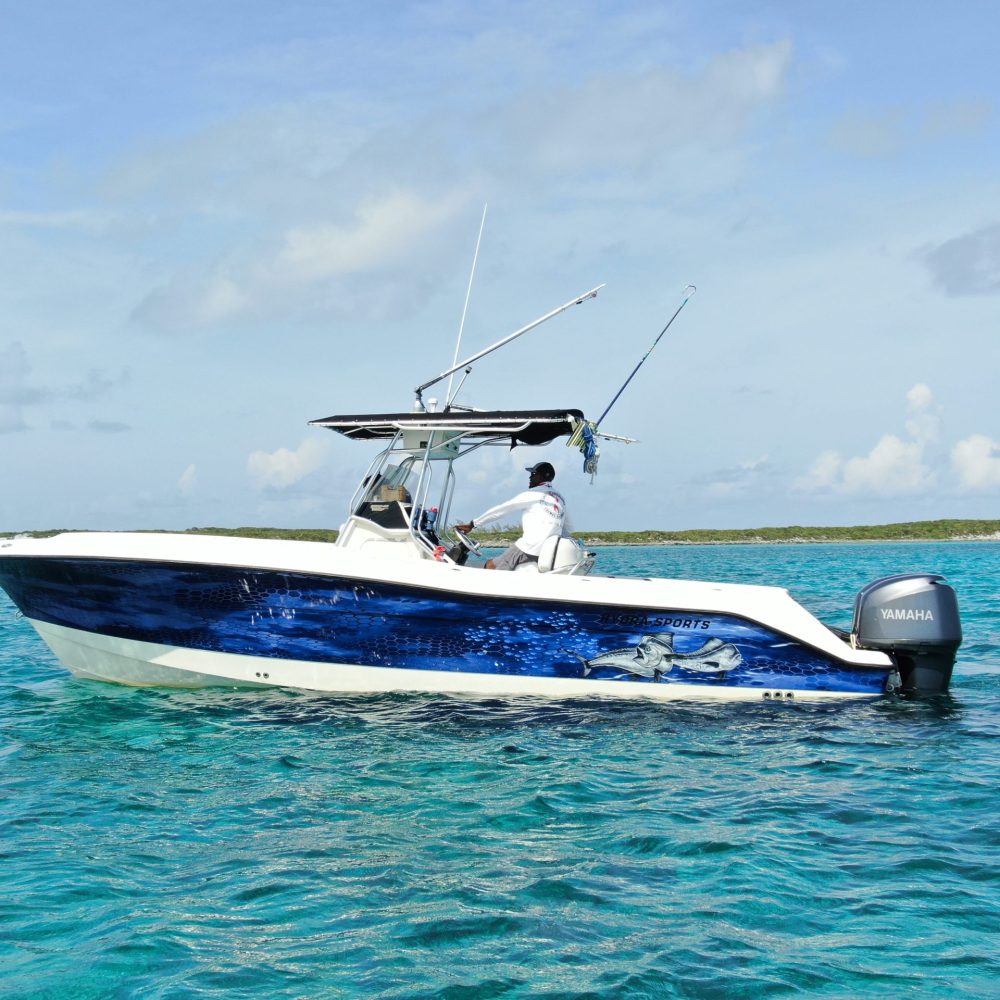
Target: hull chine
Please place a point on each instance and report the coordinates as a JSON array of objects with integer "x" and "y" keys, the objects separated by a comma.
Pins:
[{"x": 137, "y": 664}]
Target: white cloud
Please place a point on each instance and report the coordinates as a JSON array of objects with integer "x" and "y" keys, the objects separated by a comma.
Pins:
[
  {"x": 301, "y": 223},
  {"x": 924, "y": 421},
  {"x": 977, "y": 462},
  {"x": 277, "y": 470},
  {"x": 899, "y": 467},
  {"x": 383, "y": 231},
  {"x": 639, "y": 120},
  {"x": 188, "y": 481},
  {"x": 222, "y": 298},
  {"x": 396, "y": 230},
  {"x": 893, "y": 467},
  {"x": 919, "y": 397},
  {"x": 823, "y": 474}
]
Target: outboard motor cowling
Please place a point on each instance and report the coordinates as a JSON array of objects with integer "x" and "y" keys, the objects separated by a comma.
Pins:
[{"x": 914, "y": 618}]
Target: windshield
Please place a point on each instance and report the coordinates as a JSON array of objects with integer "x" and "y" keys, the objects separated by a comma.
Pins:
[{"x": 388, "y": 484}]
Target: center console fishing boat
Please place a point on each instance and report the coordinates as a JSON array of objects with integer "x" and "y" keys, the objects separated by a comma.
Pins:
[{"x": 396, "y": 605}]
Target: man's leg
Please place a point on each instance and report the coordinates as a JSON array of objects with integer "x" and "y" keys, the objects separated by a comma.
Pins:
[{"x": 511, "y": 559}]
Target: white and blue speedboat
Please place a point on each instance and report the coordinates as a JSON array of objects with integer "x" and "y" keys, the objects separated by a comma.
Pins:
[{"x": 393, "y": 605}]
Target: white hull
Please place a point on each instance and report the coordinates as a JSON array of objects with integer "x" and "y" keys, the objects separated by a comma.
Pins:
[{"x": 132, "y": 662}]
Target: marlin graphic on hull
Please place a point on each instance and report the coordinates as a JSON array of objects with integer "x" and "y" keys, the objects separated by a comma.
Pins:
[{"x": 654, "y": 656}]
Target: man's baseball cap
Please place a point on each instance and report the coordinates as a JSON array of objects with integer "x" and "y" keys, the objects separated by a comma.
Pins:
[{"x": 543, "y": 469}]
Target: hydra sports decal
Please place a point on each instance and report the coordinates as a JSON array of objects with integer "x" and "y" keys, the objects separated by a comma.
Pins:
[{"x": 655, "y": 656}]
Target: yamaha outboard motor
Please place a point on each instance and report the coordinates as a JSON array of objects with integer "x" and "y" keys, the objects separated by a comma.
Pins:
[{"x": 914, "y": 618}]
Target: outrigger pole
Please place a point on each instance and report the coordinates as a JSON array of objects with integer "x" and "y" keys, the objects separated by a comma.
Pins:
[
  {"x": 592, "y": 294},
  {"x": 688, "y": 292}
]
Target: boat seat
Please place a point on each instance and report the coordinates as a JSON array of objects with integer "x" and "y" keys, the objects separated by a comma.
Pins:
[
  {"x": 385, "y": 513},
  {"x": 562, "y": 555}
]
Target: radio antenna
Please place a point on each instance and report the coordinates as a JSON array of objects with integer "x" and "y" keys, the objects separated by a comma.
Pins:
[{"x": 461, "y": 326}]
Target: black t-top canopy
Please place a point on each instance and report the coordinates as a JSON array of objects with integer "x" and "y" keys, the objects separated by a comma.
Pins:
[{"x": 521, "y": 426}]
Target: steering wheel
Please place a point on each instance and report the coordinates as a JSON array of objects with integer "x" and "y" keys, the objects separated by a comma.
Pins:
[{"x": 466, "y": 542}]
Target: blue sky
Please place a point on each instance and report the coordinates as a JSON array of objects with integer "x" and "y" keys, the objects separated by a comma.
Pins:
[{"x": 220, "y": 221}]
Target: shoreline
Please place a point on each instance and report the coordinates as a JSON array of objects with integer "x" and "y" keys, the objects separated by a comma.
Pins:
[
  {"x": 628, "y": 539},
  {"x": 600, "y": 543}
]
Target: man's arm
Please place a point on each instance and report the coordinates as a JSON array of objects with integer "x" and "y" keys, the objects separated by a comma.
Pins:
[{"x": 516, "y": 504}]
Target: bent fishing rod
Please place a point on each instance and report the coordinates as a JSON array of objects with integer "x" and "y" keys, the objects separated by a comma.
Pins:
[{"x": 688, "y": 292}]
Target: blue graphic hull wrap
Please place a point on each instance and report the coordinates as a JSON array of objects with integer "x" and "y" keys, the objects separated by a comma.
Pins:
[{"x": 326, "y": 620}]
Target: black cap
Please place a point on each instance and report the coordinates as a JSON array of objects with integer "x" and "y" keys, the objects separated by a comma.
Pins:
[{"x": 543, "y": 469}]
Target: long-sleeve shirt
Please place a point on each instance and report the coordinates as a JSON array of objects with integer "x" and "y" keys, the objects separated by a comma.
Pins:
[{"x": 543, "y": 514}]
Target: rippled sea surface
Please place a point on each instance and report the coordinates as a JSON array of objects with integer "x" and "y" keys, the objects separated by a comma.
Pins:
[{"x": 235, "y": 844}]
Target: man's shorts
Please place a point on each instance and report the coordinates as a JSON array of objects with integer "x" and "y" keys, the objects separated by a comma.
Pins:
[{"x": 513, "y": 558}]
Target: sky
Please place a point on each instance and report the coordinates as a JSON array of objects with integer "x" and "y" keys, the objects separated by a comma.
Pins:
[{"x": 221, "y": 221}]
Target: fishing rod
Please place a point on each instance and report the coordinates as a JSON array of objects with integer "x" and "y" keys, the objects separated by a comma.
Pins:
[
  {"x": 586, "y": 432},
  {"x": 592, "y": 294},
  {"x": 688, "y": 292}
]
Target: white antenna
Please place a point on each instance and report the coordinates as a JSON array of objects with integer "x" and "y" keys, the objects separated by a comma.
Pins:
[{"x": 468, "y": 292}]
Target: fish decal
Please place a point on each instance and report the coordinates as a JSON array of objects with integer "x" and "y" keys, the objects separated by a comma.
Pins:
[{"x": 654, "y": 656}]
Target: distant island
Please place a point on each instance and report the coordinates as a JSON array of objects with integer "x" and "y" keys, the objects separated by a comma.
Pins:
[{"x": 911, "y": 531}]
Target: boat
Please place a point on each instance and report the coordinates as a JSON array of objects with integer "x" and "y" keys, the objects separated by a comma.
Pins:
[
  {"x": 397, "y": 603},
  {"x": 390, "y": 607}
]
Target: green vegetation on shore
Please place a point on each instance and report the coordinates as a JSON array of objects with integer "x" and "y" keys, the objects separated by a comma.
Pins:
[
  {"x": 913, "y": 531},
  {"x": 920, "y": 531},
  {"x": 288, "y": 534}
]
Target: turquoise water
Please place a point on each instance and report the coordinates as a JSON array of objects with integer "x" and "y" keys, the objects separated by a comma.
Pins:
[{"x": 233, "y": 844}]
